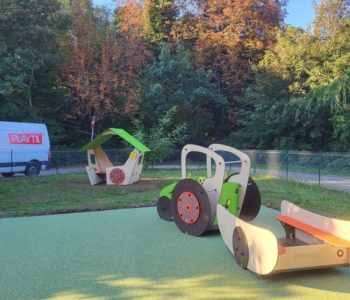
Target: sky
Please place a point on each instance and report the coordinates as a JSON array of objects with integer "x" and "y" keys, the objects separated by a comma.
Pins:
[{"x": 299, "y": 12}]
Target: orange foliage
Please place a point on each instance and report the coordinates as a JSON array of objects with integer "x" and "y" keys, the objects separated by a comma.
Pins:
[
  {"x": 103, "y": 73},
  {"x": 105, "y": 67},
  {"x": 136, "y": 54},
  {"x": 88, "y": 73},
  {"x": 235, "y": 35},
  {"x": 187, "y": 29}
]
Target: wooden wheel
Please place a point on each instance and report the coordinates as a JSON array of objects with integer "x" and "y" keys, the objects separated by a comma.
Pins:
[
  {"x": 240, "y": 247},
  {"x": 191, "y": 207}
]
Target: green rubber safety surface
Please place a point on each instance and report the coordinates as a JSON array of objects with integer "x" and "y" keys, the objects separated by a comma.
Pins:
[{"x": 132, "y": 254}]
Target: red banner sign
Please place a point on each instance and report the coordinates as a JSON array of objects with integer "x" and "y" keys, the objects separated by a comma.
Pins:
[{"x": 26, "y": 138}]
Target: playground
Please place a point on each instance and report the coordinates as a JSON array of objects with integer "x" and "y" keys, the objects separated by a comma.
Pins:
[
  {"x": 132, "y": 254},
  {"x": 135, "y": 254},
  {"x": 189, "y": 149}
]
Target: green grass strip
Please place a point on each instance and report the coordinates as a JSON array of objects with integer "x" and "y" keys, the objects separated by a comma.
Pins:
[{"x": 73, "y": 193}]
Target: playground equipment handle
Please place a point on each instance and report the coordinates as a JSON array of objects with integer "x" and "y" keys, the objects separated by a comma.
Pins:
[
  {"x": 219, "y": 161},
  {"x": 243, "y": 177}
]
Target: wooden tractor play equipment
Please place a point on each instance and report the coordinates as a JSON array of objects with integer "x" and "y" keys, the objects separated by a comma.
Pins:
[
  {"x": 311, "y": 241},
  {"x": 192, "y": 203},
  {"x": 100, "y": 168}
]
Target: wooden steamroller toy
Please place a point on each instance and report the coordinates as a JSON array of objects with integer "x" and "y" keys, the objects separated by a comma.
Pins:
[
  {"x": 191, "y": 203},
  {"x": 311, "y": 241},
  {"x": 100, "y": 168}
]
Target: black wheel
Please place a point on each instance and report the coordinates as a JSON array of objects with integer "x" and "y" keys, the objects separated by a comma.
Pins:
[
  {"x": 240, "y": 247},
  {"x": 33, "y": 169},
  {"x": 191, "y": 207},
  {"x": 252, "y": 202},
  {"x": 7, "y": 174},
  {"x": 229, "y": 176},
  {"x": 164, "y": 209}
]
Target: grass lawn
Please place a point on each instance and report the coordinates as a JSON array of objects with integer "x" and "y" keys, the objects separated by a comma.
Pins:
[{"x": 72, "y": 193}]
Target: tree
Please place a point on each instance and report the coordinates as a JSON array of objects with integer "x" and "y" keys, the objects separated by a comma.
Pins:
[
  {"x": 159, "y": 17},
  {"x": 270, "y": 117},
  {"x": 186, "y": 29},
  {"x": 173, "y": 80},
  {"x": 310, "y": 59},
  {"x": 262, "y": 123},
  {"x": 292, "y": 58},
  {"x": 235, "y": 36},
  {"x": 162, "y": 136},
  {"x": 330, "y": 106},
  {"x": 315, "y": 65},
  {"x": 90, "y": 72},
  {"x": 135, "y": 53},
  {"x": 330, "y": 16},
  {"x": 30, "y": 33}
]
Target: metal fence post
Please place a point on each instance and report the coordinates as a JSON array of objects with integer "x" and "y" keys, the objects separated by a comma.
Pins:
[
  {"x": 11, "y": 160},
  {"x": 56, "y": 161},
  {"x": 287, "y": 164},
  {"x": 254, "y": 161},
  {"x": 319, "y": 172}
]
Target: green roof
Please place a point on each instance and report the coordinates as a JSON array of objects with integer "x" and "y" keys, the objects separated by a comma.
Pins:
[{"x": 107, "y": 134}]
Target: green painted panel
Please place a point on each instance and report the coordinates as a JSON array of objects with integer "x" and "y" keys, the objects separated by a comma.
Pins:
[
  {"x": 130, "y": 139},
  {"x": 99, "y": 140},
  {"x": 166, "y": 191},
  {"x": 107, "y": 134},
  {"x": 229, "y": 197}
]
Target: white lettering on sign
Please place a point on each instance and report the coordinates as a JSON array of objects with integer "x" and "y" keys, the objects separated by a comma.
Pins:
[{"x": 26, "y": 138}]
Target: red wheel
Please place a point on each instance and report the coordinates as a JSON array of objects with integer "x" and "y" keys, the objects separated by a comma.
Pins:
[
  {"x": 188, "y": 207},
  {"x": 191, "y": 207},
  {"x": 117, "y": 176}
]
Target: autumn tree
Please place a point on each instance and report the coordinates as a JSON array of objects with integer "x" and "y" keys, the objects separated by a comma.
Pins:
[
  {"x": 135, "y": 53},
  {"x": 186, "y": 29},
  {"x": 90, "y": 73},
  {"x": 235, "y": 36},
  {"x": 330, "y": 16},
  {"x": 158, "y": 19}
]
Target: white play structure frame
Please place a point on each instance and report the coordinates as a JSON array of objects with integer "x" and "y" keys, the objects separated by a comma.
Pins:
[{"x": 100, "y": 168}]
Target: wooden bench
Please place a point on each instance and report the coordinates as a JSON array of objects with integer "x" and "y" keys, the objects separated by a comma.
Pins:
[{"x": 317, "y": 233}]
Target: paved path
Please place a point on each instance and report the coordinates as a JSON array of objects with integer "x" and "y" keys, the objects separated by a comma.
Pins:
[
  {"x": 341, "y": 183},
  {"x": 132, "y": 254}
]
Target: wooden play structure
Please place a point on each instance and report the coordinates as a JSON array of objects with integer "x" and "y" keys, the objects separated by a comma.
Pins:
[
  {"x": 100, "y": 168},
  {"x": 192, "y": 202},
  {"x": 312, "y": 241},
  {"x": 208, "y": 202}
]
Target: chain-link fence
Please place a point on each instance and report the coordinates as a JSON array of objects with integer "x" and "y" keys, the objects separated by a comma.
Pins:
[
  {"x": 72, "y": 158},
  {"x": 332, "y": 169}
]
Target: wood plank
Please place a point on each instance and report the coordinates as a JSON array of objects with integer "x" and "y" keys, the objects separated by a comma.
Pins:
[{"x": 320, "y": 234}]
